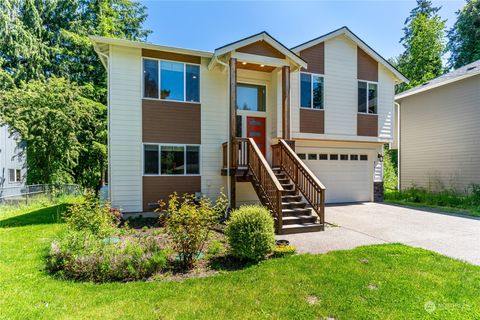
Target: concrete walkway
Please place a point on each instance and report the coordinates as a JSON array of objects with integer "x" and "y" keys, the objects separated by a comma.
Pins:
[{"x": 372, "y": 223}]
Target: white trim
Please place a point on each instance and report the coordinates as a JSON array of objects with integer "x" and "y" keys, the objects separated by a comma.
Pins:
[
  {"x": 257, "y": 59},
  {"x": 146, "y": 45},
  {"x": 311, "y": 90},
  {"x": 436, "y": 85},
  {"x": 345, "y": 31},
  {"x": 268, "y": 39},
  {"x": 368, "y": 85},
  {"x": 159, "y": 61},
  {"x": 184, "y": 145}
]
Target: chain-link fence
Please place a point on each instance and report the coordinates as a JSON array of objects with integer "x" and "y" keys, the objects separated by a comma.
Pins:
[{"x": 29, "y": 193}]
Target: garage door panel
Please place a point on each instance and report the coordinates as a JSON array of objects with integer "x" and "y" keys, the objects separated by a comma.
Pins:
[{"x": 345, "y": 180}]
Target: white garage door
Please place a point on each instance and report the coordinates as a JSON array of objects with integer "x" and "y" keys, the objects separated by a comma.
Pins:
[{"x": 346, "y": 174}]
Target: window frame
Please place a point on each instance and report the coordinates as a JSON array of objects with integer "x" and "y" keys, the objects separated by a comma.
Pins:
[
  {"x": 311, "y": 74},
  {"x": 257, "y": 85},
  {"x": 184, "y": 145},
  {"x": 366, "y": 96},
  {"x": 15, "y": 171},
  {"x": 159, "y": 61}
]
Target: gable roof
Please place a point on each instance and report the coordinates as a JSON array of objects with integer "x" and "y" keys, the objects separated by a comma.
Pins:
[
  {"x": 261, "y": 36},
  {"x": 466, "y": 71},
  {"x": 359, "y": 42}
]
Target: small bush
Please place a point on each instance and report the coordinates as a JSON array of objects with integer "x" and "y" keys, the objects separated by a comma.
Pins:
[
  {"x": 283, "y": 251},
  {"x": 188, "y": 224},
  {"x": 81, "y": 255},
  {"x": 91, "y": 215},
  {"x": 250, "y": 233}
]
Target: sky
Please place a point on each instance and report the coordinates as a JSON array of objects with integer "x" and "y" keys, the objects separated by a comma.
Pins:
[{"x": 206, "y": 25}]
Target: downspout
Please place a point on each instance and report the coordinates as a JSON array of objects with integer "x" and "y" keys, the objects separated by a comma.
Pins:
[
  {"x": 229, "y": 177},
  {"x": 398, "y": 137}
]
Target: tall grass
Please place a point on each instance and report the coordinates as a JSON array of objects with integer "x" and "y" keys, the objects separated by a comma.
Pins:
[{"x": 447, "y": 199}]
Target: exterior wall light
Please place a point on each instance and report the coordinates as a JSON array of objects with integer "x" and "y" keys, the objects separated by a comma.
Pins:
[{"x": 380, "y": 157}]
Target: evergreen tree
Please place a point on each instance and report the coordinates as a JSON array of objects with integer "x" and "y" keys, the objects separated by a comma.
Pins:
[
  {"x": 45, "y": 39},
  {"x": 424, "y": 44},
  {"x": 464, "y": 37}
]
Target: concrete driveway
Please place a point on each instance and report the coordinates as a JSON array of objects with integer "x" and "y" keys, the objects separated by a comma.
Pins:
[{"x": 373, "y": 223}]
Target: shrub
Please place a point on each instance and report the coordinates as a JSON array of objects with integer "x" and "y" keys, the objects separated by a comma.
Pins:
[
  {"x": 90, "y": 214},
  {"x": 188, "y": 224},
  {"x": 283, "y": 251},
  {"x": 81, "y": 255},
  {"x": 250, "y": 233}
]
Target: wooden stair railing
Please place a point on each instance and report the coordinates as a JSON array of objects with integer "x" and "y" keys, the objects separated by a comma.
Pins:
[
  {"x": 304, "y": 179},
  {"x": 266, "y": 184}
]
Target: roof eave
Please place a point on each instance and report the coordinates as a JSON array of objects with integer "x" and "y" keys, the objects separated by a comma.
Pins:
[{"x": 146, "y": 45}]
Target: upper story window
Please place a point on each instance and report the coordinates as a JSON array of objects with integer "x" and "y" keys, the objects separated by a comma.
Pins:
[
  {"x": 311, "y": 91},
  {"x": 367, "y": 97},
  {"x": 15, "y": 175},
  {"x": 168, "y": 80},
  {"x": 251, "y": 97}
]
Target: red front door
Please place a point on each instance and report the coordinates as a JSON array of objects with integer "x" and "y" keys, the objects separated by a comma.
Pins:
[{"x": 256, "y": 131}]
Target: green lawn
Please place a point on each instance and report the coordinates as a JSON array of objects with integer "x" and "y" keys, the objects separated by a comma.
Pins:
[
  {"x": 382, "y": 282},
  {"x": 447, "y": 201}
]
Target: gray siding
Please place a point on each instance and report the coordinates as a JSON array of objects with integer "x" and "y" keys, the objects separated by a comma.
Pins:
[
  {"x": 11, "y": 157},
  {"x": 440, "y": 137}
]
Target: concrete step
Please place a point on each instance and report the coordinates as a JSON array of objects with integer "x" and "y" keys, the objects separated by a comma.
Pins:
[
  {"x": 301, "y": 228},
  {"x": 299, "y": 220}
]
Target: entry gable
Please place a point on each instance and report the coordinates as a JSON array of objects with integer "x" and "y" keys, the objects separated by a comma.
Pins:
[
  {"x": 261, "y": 48},
  {"x": 261, "y": 44}
]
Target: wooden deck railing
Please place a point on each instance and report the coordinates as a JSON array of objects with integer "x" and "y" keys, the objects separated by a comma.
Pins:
[
  {"x": 266, "y": 184},
  {"x": 238, "y": 158},
  {"x": 304, "y": 179}
]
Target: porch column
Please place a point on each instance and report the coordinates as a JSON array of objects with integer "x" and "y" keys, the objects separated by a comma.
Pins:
[
  {"x": 233, "y": 130},
  {"x": 286, "y": 102}
]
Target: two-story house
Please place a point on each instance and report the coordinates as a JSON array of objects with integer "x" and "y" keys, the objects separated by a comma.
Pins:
[
  {"x": 12, "y": 163},
  {"x": 291, "y": 128}
]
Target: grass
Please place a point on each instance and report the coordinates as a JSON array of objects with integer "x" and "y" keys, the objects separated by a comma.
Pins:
[
  {"x": 372, "y": 282},
  {"x": 446, "y": 200}
]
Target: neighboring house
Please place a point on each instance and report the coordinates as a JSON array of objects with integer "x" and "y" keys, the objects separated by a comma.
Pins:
[
  {"x": 439, "y": 136},
  {"x": 12, "y": 162},
  {"x": 173, "y": 111}
]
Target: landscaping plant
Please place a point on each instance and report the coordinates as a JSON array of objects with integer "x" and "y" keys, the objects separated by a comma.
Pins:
[
  {"x": 92, "y": 215},
  {"x": 250, "y": 233},
  {"x": 188, "y": 225},
  {"x": 81, "y": 255}
]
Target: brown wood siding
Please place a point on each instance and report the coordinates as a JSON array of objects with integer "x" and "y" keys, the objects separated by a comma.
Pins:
[
  {"x": 171, "y": 122},
  {"x": 367, "y": 125},
  {"x": 367, "y": 67},
  {"x": 261, "y": 48},
  {"x": 255, "y": 67},
  {"x": 312, "y": 121},
  {"x": 315, "y": 58},
  {"x": 161, "y": 187},
  {"x": 171, "y": 56}
]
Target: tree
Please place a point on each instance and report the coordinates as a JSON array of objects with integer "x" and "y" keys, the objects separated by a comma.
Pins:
[
  {"x": 424, "y": 45},
  {"x": 464, "y": 37},
  {"x": 55, "y": 121},
  {"x": 43, "y": 39}
]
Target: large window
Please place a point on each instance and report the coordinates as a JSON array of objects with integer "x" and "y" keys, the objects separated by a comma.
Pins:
[
  {"x": 311, "y": 91},
  {"x": 251, "y": 97},
  {"x": 171, "y": 159},
  {"x": 367, "y": 97},
  {"x": 174, "y": 80}
]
